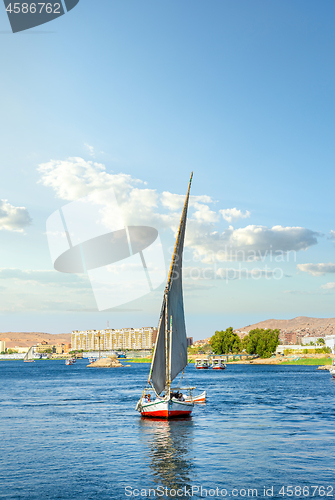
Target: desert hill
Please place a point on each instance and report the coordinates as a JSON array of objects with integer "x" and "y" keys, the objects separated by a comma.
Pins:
[
  {"x": 27, "y": 339},
  {"x": 302, "y": 325}
]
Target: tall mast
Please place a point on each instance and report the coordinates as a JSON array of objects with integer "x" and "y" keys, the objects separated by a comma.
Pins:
[
  {"x": 165, "y": 366},
  {"x": 181, "y": 224},
  {"x": 167, "y": 347},
  {"x": 168, "y": 324}
]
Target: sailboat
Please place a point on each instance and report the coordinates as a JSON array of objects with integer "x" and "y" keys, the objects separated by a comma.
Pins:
[
  {"x": 170, "y": 354},
  {"x": 29, "y": 355}
]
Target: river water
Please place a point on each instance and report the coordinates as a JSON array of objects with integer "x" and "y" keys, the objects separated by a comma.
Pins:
[{"x": 69, "y": 432}]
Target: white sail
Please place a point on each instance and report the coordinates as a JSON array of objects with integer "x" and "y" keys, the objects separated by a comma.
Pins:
[
  {"x": 29, "y": 354},
  {"x": 170, "y": 355}
]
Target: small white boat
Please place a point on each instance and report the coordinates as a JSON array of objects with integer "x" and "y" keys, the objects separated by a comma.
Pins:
[
  {"x": 218, "y": 364},
  {"x": 201, "y": 398},
  {"x": 201, "y": 364},
  {"x": 69, "y": 362}
]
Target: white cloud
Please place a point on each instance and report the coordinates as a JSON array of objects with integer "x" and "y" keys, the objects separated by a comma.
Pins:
[
  {"x": 175, "y": 202},
  {"x": 231, "y": 214},
  {"x": 74, "y": 178},
  {"x": 90, "y": 149},
  {"x": 332, "y": 235},
  {"x": 228, "y": 273},
  {"x": 45, "y": 277},
  {"x": 44, "y": 290},
  {"x": 204, "y": 214},
  {"x": 317, "y": 269},
  {"x": 328, "y": 286},
  {"x": 13, "y": 218},
  {"x": 250, "y": 243}
]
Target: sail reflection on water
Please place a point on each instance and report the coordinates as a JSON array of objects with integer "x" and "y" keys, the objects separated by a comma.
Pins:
[{"x": 169, "y": 446}]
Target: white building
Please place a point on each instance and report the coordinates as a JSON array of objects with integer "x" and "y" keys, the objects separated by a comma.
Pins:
[
  {"x": 110, "y": 339},
  {"x": 308, "y": 340},
  {"x": 330, "y": 342},
  {"x": 21, "y": 349},
  {"x": 297, "y": 348}
]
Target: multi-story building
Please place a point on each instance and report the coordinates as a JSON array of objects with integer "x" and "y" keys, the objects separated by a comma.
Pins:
[{"x": 112, "y": 339}]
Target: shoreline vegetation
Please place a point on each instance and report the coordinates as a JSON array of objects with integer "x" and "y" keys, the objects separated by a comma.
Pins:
[{"x": 312, "y": 360}]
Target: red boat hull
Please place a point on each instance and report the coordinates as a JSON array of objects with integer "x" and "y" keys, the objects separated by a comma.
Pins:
[
  {"x": 166, "y": 414},
  {"x": 166, "y": 409}
]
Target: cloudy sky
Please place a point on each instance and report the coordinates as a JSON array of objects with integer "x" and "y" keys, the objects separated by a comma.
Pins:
[{"x": 134, "y": 96}]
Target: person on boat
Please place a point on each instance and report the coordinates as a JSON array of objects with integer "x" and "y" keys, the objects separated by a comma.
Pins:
[{"x": 177, "y": 395}]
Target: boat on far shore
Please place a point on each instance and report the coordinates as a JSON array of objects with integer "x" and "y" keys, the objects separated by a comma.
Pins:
[
  {"x": 218, "y": 364},
  {"x": 29, "y": 356},
  {"x": 201, "y": 364}
]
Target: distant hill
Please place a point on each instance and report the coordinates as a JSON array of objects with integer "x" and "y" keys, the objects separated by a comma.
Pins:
[
  {"x": 301, "y": 324},
  {"x": 27, "y": 339}
]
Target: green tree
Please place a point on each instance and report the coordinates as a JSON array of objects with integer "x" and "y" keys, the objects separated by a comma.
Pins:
[
  {"x": 261, "y": 342},
  {"x": 320, "y": 341},
  {"x": 225, "y": 341}
]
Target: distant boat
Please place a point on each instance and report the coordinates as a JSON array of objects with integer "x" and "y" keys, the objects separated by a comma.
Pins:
[
  {"x": 69, "y": 361},
  {"x": 201, "y": 364},
  {"x": 29, "y": 355},
  {"x": 332, "y": 369},
  {"x": 170, "y": 355},
  {"x": 218, "y": 364}
]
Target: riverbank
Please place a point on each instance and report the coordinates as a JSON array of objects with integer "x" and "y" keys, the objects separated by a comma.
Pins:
[
  {"x": 137, "y": 360},
  {"x": 304, "y": 359},
  {"x": 311, "y": 361}
]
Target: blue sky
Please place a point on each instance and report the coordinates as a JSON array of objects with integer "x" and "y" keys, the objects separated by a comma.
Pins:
[{"x": 239, "y": 92}]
